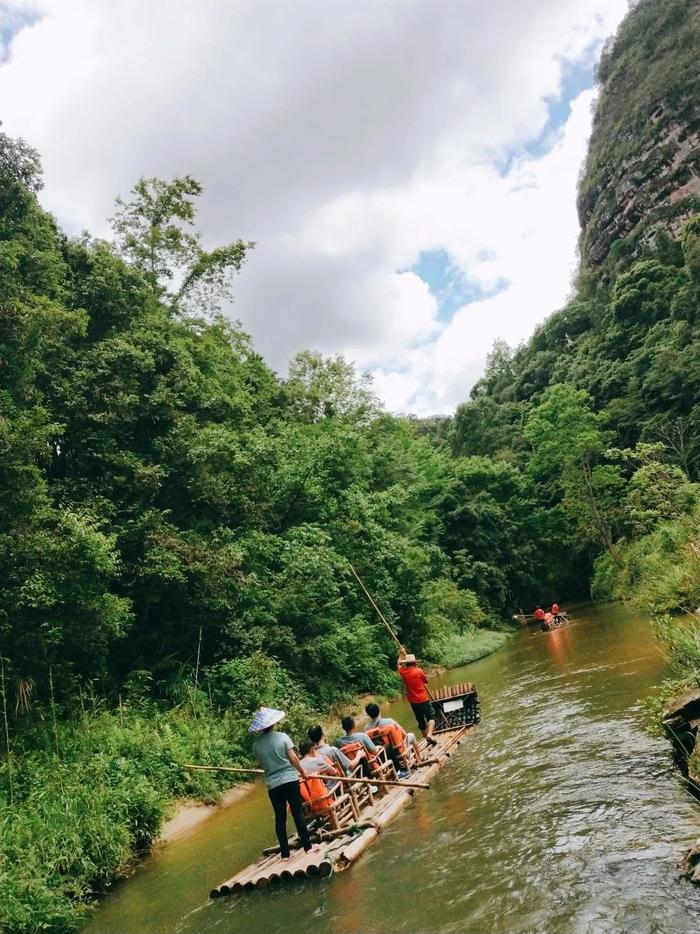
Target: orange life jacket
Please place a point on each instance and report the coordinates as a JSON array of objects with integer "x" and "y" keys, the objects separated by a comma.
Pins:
[
  {"x": 315, "y": 793},
  {"x": 389, "y": 735},
  {"x": 349, "y": 749}
]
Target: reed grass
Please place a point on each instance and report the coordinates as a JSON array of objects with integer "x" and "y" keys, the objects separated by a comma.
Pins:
[{"x": 69, "y": 826}]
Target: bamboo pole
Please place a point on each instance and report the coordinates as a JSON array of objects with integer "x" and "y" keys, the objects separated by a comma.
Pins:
[
  {"x": 378, "y": 611},
  {"x": 327, "y": 777},
  {"x": 373, "y": 781},
  {"x": 355, "y": 848},
  {"x": 444, "y": 751},
  {"x": 7, "y": 731},
  {"x": 389, "y": 629},
  {"x": 224, "y": 768},
  {"x": 236, "y": 883}
]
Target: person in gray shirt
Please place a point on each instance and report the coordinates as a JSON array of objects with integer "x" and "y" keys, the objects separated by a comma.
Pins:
[
  {"x": 375, "y": 719},
  {"x": 316, "y": 764},
  {"x": 337, "y": 756},
  {"x": 350, "y": 736},
  {"x": 275, "y": 754}
]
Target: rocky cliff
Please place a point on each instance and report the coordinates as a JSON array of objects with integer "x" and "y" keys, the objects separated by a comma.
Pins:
[{"x": 642, "y": 174}]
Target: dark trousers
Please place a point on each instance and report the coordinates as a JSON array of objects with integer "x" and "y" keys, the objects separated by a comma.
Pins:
[
  {"x": 365, "y": 767},
  {"x": 280, "y": 797}
]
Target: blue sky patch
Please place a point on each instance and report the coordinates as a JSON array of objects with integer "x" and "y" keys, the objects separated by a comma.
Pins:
[
  {"x": 448, "y": 283},
  {"x": 576, "y": 77},
  {"x": 12, "y": 21},
  {"x": 444, "y": 279}
]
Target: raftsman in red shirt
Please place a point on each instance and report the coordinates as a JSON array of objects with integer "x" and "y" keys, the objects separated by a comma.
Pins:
[{"x": 415, "y": 681}]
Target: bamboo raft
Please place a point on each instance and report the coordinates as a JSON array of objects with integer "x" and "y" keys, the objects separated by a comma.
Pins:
[{"x": 457, "y": 709}]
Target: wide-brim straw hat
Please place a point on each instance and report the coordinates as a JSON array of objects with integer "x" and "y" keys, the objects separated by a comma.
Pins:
[
  {"x": 407, "y": 659},
  {"x": 264, "y": 718}
]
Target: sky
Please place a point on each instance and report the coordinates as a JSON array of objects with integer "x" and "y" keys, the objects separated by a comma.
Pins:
[{"x": 407, "y": 168}]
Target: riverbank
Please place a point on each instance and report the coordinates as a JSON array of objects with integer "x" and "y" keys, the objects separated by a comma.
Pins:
[
  {"x": 189, "y": 815},
  {"x": 681, "y": 722}
]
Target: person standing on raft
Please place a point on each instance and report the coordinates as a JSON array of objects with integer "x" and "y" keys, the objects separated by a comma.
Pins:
[
  {"x": 416, "y": 683},
  {"x": 275, "y": 754}
]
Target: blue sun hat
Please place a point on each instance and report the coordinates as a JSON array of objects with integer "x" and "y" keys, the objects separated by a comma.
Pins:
[{"x": 265, "y": 717}]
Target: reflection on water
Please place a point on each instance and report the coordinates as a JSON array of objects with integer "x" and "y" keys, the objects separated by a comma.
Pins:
[{"x": 559, "y": 814}]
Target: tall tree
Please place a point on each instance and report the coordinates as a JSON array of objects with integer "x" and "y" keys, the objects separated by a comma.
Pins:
[
  {"x": 154, "y": 231},
  {"x": 568, "y": 455}
]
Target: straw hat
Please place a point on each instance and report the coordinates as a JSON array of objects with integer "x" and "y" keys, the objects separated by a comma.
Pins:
[
  {"x": 407, "y": 659},
  {"x": 265, "y": 717}
]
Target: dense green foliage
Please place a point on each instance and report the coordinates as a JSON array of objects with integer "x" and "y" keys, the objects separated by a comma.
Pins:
[
  {"x": 94, "y": 785},
  {"x": 178, "y": 521}
]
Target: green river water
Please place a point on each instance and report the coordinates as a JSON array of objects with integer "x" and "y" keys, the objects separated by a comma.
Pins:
[{"x": 559, "y": 813}]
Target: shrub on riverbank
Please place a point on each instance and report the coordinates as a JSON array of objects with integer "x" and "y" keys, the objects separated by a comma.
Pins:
[
  {"x": 658, "y": 572},
  {"x": 84, "y": 793},
  {"x": 79, "y": 810}
]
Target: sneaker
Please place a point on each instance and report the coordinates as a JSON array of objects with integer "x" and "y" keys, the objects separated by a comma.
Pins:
[
  {"x": 431, "y": 741},
  {"x": 285, "y": 858},
  {"x": 314, "y": 848},
  {"x": 403, "y": 774},
  {"x": 374, "y": 789}
]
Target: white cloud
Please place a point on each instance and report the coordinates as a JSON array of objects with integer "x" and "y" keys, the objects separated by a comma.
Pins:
[{"x": 344, "y": 138}]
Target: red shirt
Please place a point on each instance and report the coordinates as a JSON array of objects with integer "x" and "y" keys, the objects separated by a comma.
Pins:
[
  {"x": 414, "y": 680},
  {"x": 539, "y": 613}
]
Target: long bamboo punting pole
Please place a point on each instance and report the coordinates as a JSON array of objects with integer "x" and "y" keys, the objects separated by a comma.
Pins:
[
  {"x": 327, "y": 777},
  {"x": 378, "y": 611},
  {"x": 372, "y": 781},
  {"x": 223, "y": 768}
]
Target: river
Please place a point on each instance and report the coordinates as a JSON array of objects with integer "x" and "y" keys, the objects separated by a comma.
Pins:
[{"x": 559, "y": 814}]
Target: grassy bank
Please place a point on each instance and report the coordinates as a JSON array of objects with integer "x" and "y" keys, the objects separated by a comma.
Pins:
[
  {"x": 659, "y": 573},
  {"x": 461, "y": 649},
  {"x": 85, "y": 787},
  {"x": 84, "y": 800},
  {"x": 82, "y": 794}
]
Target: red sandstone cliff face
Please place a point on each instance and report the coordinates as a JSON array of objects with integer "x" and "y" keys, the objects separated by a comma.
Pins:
[{"x": 642, "y": 174}]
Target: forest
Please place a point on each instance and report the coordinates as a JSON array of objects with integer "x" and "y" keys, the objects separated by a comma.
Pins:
[{"x": 178, "y": 521}]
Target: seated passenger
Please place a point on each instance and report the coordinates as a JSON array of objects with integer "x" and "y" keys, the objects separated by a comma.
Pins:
[
  {"x": 539, "y": 614},
  {"x": 315, "y": 764},
  {"x": 548, "y": 621},
  {"x": 351, "y": 736},
  {"x": 321, "y": 748},
  {"x": 372, "y": 711}
]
